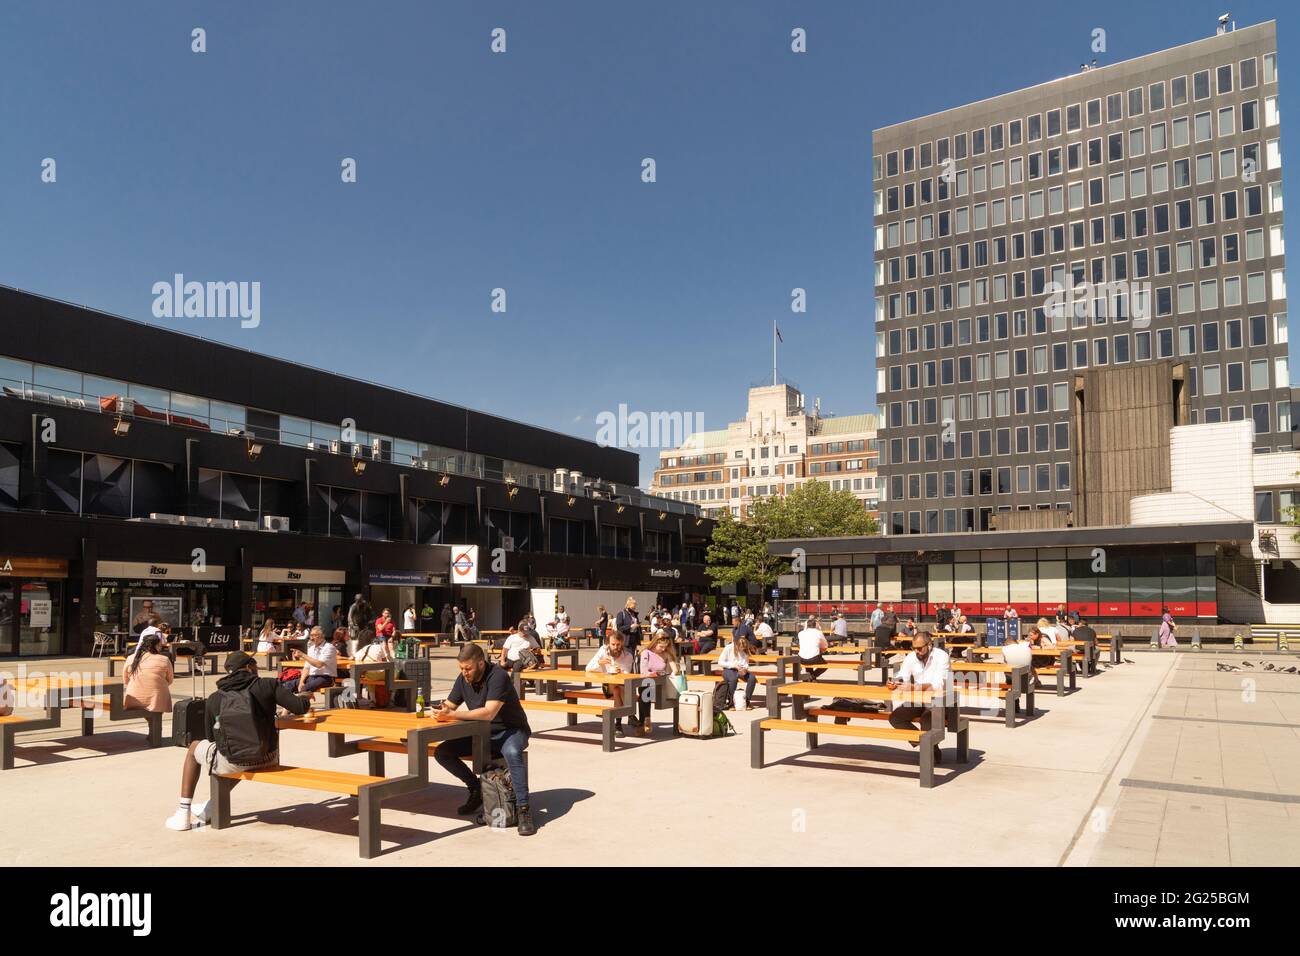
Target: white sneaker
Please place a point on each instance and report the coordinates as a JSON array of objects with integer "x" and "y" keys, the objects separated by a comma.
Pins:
[
  {"x": 180, "y": 820},
  {"x": 200, "y": 814}
]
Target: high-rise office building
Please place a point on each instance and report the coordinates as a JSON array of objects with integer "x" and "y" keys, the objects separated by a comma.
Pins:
[{"x": 1107, "y": 240}]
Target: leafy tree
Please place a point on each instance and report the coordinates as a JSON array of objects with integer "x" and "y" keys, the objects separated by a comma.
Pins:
[{"x": 738, "y": 551}]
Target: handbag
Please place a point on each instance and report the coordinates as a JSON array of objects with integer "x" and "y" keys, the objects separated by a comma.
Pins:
[{"x": 680, "y": 683}]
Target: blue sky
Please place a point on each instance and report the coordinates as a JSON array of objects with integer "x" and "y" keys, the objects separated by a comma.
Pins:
[{"x": 519, "y": 171}]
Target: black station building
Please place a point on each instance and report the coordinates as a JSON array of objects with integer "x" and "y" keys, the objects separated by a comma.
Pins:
[{"x": 148, "y": 472}]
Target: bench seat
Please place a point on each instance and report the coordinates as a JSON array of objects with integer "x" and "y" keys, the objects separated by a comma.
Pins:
[
  {"x": 306, "y": 778},
  {"x": 926, "y": 740},
  {"x": 572, "y": 711}
]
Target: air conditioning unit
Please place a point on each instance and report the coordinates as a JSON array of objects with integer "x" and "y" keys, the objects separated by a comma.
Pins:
[
  {"x": 165, "y": 519},
  {"x": 507, "y": 543},
  {"x": 314, "y": 446},
  {"x": 245, "y": 525},
  {"x": 336, "y": 447},
  {"x": 275, "y": 522},
  {"x": 377, "y": 449}
]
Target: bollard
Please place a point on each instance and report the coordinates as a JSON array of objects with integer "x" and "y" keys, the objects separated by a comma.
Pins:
[
  {"x": 1196, "y": 640},
  {"x": 1237, "y": 643}
]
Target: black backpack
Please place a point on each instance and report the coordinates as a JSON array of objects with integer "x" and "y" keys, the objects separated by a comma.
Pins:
[
  {"x": 238, "y": 732},
  {"x": 721, "y": 697}
]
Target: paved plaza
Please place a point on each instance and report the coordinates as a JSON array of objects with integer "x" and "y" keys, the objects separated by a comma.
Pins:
[{"x": 1165, "y": 760}]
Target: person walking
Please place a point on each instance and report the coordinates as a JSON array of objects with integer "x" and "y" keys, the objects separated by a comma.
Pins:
[
  {"x": 358, "y": 621},
  {"x": 629, "y": 626}
]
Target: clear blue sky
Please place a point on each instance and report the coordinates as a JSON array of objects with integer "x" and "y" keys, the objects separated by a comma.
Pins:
[{"x": 519, "y": 171}]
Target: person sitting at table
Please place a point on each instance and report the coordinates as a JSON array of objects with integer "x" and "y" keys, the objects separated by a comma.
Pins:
[
  {"x": 512, "y": 651},
  {"x": 744, "y": 628},
  {"x": 267, "y": 638},
  {"x": 734, "y": 661},
  {"x": 764, "y": 636},
  {"x": 706, "y": 635},
  {"x": 488, "y": 694},
  {"x": 8, "y": 696},
  {"x": 147, "y": 678},
  {"x": 560, "y": 628},
  {"x": 320, "y": 663},
  {"x": 613, "y": 658},
  {"x": 658, "y": 659},
  {"x": 340, "y": 641},
  {"x": 262, "y": 696},
  {"x": 907, "y": 628},
  {"x": 386, "y": 628},
  {"x": 1047, "y": 634},
  {"x": 925, "y": 668},
  {"x": 963, "y": 626},
  {"x": 810, "y": 643}
]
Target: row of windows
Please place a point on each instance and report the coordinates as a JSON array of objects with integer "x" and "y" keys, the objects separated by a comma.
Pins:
[
  {"x": 1203, "y": 128},
  {"x": 1115, "y": 298},
  {"x": 1139, "y": 100},
  {"x": 953, "y": 519},
  {"x": 761, "y": 491},
  {"x": 1122, "y": 226},
  {"x": 1005, "y": 480},
  {"x": 934, "y": 336}
]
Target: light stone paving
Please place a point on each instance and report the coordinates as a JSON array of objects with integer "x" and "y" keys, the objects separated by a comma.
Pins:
[
  {"x": 1237, "y": 732},
  {"x": 1044, "y": 794}
]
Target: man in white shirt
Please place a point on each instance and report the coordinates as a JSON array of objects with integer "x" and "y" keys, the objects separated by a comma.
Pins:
[
  {"x": 840, "y": 628},
  {"x": 926, "y": 668},
  {"x": 614, "y": 658},
  {"x": 765, "y": 634},
  {"x": 512, "y": 650},
  {"x": 321, "y": 663},
  {"x": 810, "y": 643}
]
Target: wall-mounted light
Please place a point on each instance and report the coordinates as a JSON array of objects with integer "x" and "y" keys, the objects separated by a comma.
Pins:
[
  {"x": 621, "y": 509},
  {"x": 254, "y": 450},
  {"x": 359, "y": 465},
  {"x": 663, "y": 515},
  {"x": 512, "y": 492},
  {"x": 572, "y": 500},
  {"x": 444, "y": 481},
  {"x": 698, "y": 522},
  {"x": 121, "y": 426}
]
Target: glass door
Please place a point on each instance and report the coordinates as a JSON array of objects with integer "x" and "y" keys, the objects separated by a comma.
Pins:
[
  {"x": 40, "y": 618},
  {"x": 8, "y": 624}
]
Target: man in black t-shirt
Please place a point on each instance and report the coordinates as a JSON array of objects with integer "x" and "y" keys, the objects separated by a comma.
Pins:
[
  {"x": 487, "y": 693},
  {"x": 1084, "y": 632}
]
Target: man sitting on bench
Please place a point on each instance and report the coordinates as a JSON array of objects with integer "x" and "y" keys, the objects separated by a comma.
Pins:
[
  {"x": 488, "y": 694},
  {"x": 247, "y": 738},
  {"x": 614, "y": 658},
  {"x": 926, "y": 668},
  {"x": 322, "y": 663}
]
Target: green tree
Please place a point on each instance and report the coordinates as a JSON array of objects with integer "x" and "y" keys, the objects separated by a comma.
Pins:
[{"x": 738, "y": 550}]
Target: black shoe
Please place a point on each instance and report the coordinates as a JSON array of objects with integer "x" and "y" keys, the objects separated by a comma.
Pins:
[
  {"x": 472, "y": 805},
  {"x": 524, "y": 816},
  {"x": 618, "y": 731}
]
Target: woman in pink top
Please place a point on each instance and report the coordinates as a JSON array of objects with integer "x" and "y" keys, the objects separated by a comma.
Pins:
[
  {"x": 658, "y": 660},
  {"x": 148, "y": 678}
]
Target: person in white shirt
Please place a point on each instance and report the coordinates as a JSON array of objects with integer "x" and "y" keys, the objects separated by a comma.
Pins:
[
  {"x": 408, "y": 618},
  {"x": 614, "y": 658},
  {"x": 766, "y": 636},
  {"x": 512, "y": 650},
  {"x": 734, "y": 662},
  {"x": 926, "y": 668},
  {"x": 840, "y": 628},
  {"x": 321, "y": 663},
  {"x": 1047, "y": 634},
  {"x": 810, "y": 643}
]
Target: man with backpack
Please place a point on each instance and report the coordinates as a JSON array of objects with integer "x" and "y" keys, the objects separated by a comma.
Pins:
[
  {"x": 488, "y": 694},
  {"x": 239, "y": 732}
]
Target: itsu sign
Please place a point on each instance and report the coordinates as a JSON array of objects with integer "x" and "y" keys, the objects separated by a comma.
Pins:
[{"x": 464, "y": 564}]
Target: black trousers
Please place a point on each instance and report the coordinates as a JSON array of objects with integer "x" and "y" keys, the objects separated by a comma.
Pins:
[{"x": 904, "y": 717}]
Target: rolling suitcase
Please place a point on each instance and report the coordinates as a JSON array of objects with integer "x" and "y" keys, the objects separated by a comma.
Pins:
[
  {"x": 188, "y": 720},
  {"x": 695, "y": 714}
]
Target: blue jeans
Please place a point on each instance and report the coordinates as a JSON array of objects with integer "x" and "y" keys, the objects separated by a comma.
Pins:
[
  {"x": 731, "y": 677},
  {"x": 509, "y": 744}
]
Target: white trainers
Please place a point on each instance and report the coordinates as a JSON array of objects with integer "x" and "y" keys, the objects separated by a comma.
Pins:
[
  {"x": 200, "y": 814},
  {"x": 180, "y": 820}
]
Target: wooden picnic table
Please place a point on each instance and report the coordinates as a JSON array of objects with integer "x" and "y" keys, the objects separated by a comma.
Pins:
[
  {"x": 552, "y": 677},
  {"x": 1061, "y": 653},
  {"x": 703, "y": 663},
  {"x": 88, "y": 693},
  {"x": 417, "y": 733}
]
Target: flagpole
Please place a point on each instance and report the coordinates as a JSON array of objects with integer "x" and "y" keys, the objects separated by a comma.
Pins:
[{"x": 774, "y": 351}]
